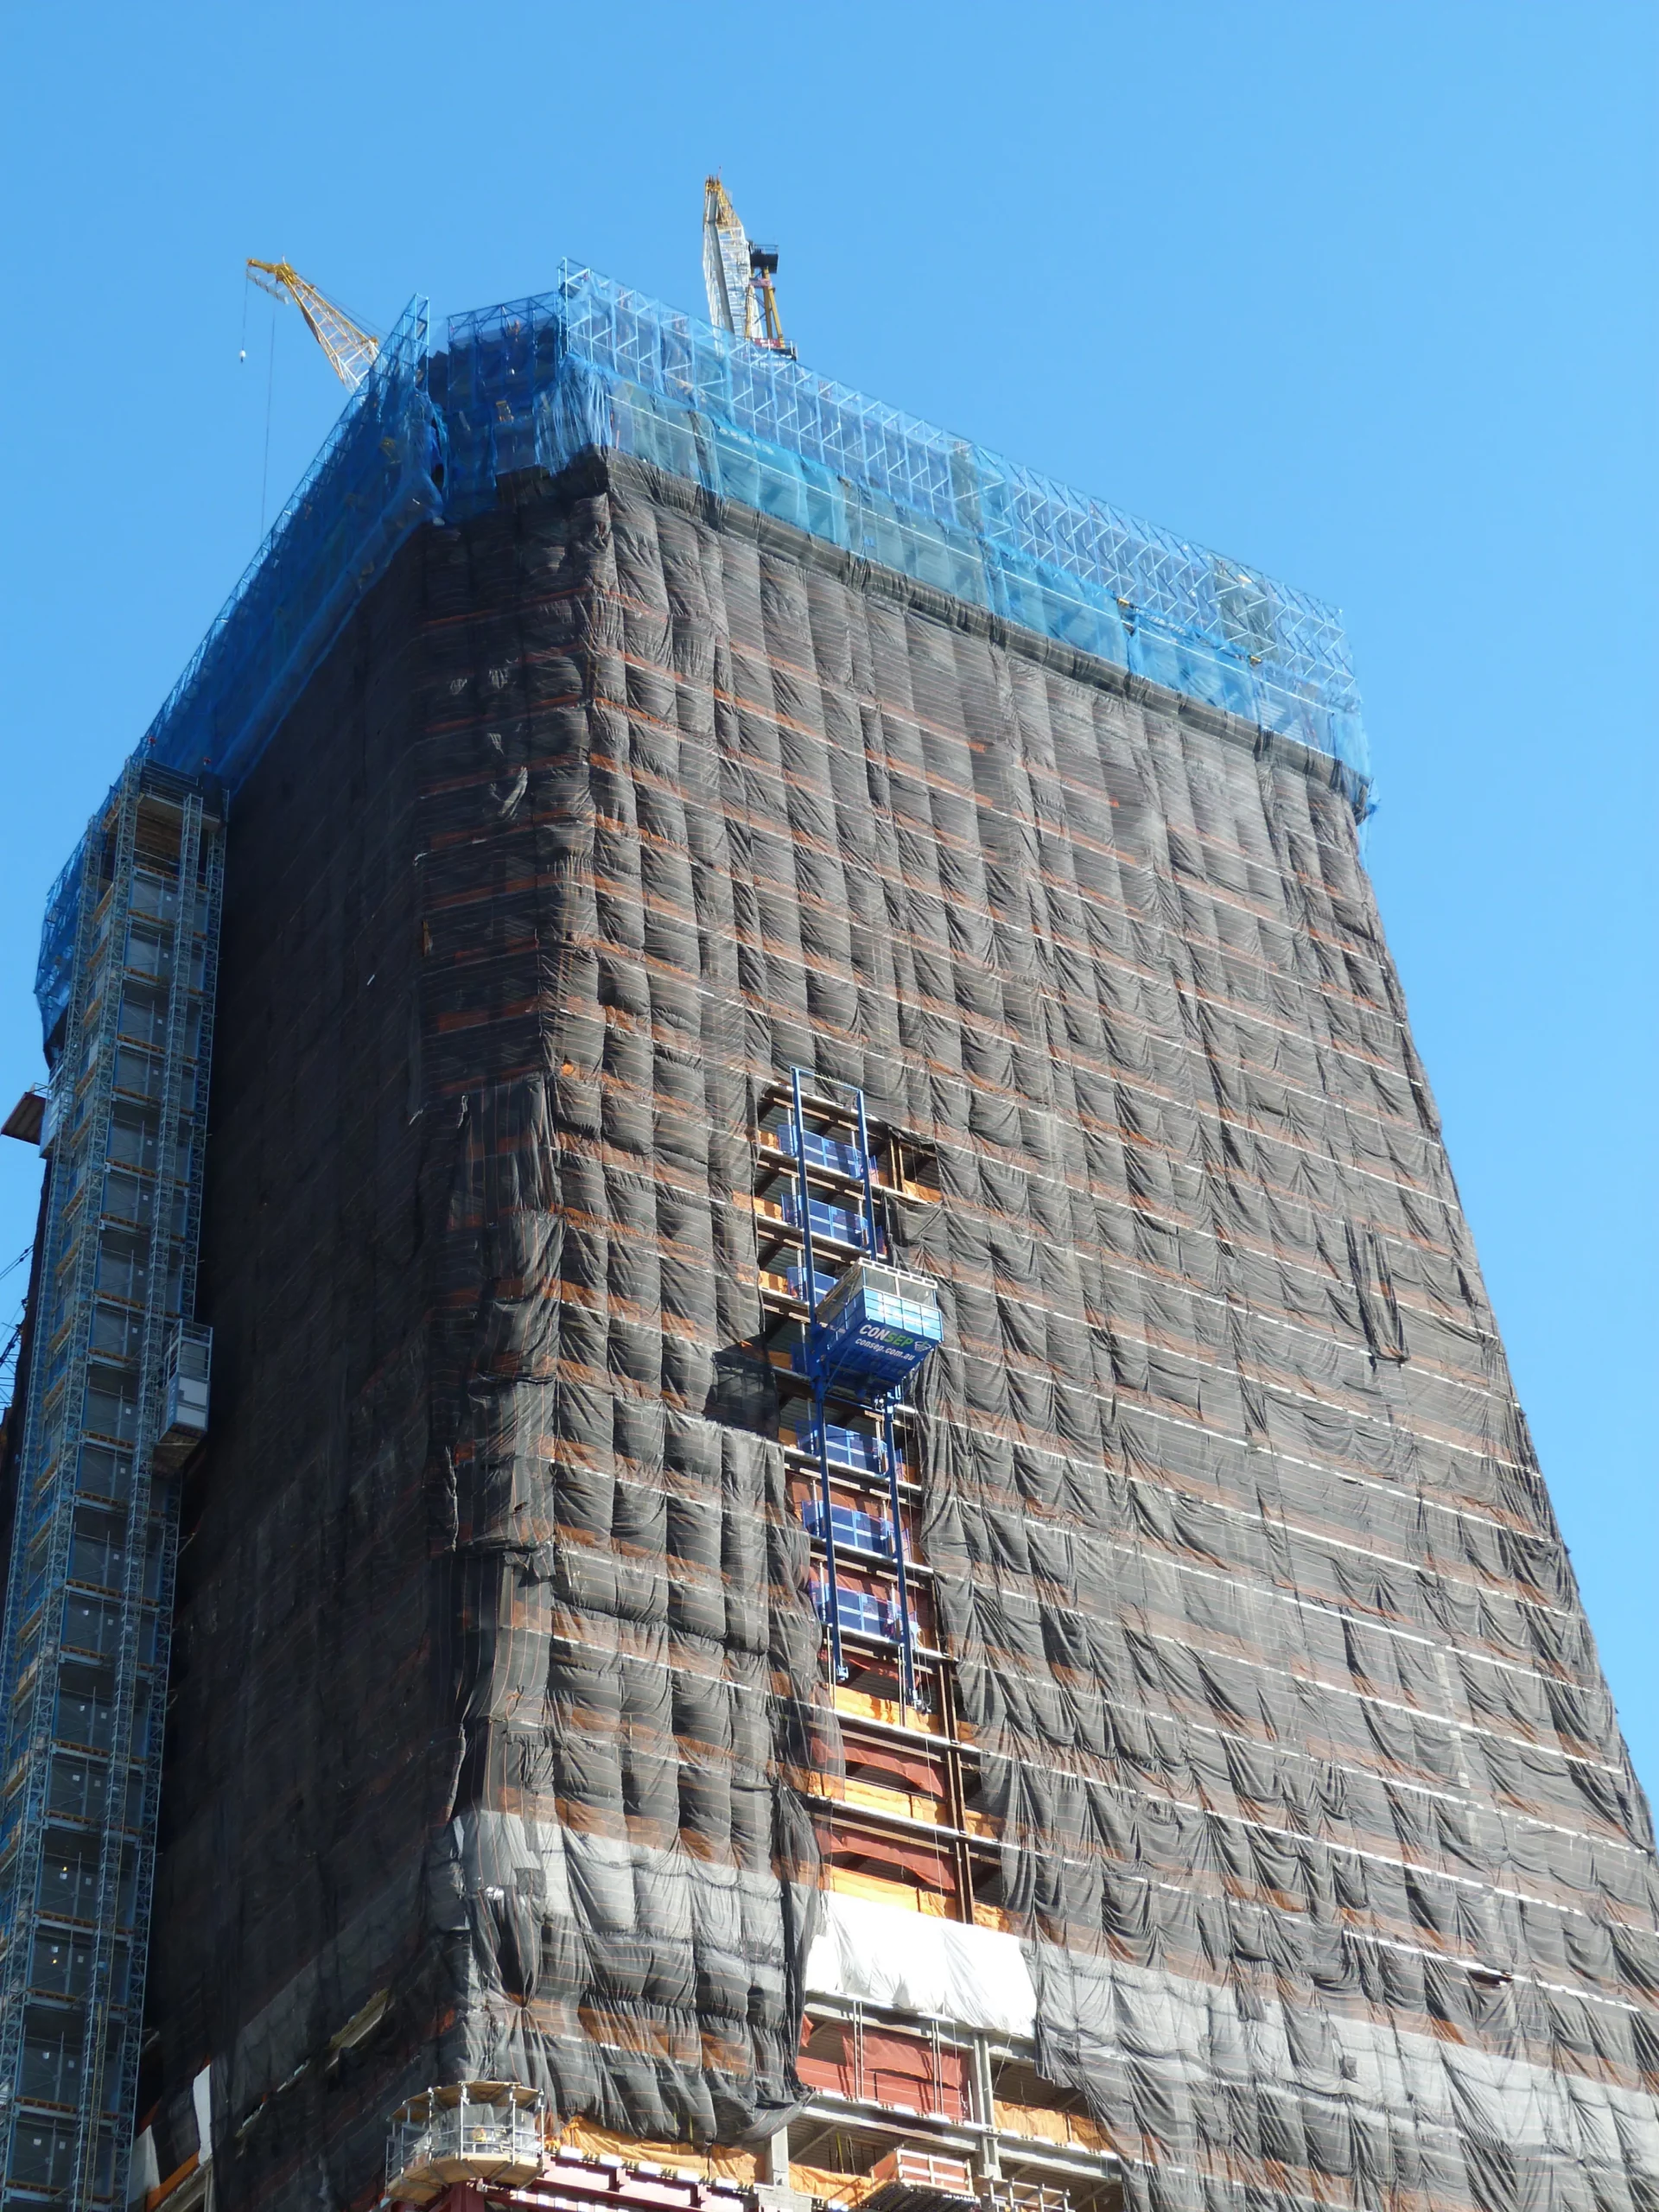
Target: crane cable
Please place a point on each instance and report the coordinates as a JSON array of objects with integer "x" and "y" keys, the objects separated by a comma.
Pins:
[{"x": 270, "y": 385}]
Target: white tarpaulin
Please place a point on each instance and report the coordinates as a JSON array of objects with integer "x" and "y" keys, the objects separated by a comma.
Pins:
[{"x": 973, "y": 1976}]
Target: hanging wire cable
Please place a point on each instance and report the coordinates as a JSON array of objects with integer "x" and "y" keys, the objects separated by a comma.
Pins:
[
  {"x": 271, "y": 380},
  {"x": 351, "y": 348},
  {"x": 15, "y": 1335},
  {"x": 9, "y": 1363}
]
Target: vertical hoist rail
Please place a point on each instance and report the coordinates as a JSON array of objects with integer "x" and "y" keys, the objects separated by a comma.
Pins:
[
  {"x": 866, "y": 1178},
  {"x": 820, "y": 1415},
  {"x": 907, "y": 1629},
  {"x": 902, "y": 1580}
]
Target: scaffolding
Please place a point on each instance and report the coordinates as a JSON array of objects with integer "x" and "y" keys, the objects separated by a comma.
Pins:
[
  {"x": 593, "y": 365},
  {"x": 116, "y": 1400},
  {"x": 120, "y": 1397},
  {"x": 376, "y": 478}
]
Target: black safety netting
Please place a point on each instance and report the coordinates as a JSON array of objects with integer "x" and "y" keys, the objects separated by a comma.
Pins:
[{"x": 500, "y": 1681}]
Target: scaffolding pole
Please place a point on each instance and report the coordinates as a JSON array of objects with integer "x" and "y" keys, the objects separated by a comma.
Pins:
[{"x": 84, "y": 1656}]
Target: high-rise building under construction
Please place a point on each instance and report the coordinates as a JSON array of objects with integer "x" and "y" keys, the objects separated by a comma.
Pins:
[{"x": 859, "y": 1527}]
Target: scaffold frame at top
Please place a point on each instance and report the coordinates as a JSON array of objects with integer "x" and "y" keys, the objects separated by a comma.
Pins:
[{"x": 595, "y": 365}]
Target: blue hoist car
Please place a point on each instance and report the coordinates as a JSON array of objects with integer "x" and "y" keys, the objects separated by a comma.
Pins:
[{"x": 868, "y": 1328}]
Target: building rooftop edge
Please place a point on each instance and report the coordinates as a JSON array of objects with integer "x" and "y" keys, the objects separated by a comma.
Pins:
[{"x": 593, "y": 365}]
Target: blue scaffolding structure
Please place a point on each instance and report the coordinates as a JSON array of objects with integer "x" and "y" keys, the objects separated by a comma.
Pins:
[
  {"x": 591, "y": 366},
  {"x": 376, "y": 479},
  {"x": 529, "y": 386},
  {"x": 534, "y": 383},
  {"x": 116, "y": 1399}
]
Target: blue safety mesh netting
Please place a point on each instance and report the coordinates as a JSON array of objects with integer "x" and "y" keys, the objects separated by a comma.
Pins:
[
  {"x": 536, "y": 382},
  {"x": 592, "y": 365},
  {"x": 373, "y": 483}
]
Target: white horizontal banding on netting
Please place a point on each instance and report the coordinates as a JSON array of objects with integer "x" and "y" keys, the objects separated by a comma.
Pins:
[
  {"x": 910, "y": 1962},
  {"x": 1194, "y": 2036},
  {"x": 977, "y": 1979}
]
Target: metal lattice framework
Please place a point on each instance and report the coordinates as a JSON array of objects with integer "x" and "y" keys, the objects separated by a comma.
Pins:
[
  {"x": 368, "y": 488},
  {"x": 956, "y": 483},
  {"x": 350, "y": 349},
  {"x": 82, "y": 1663},
  {"x": 829, "y": 1377},
  {"x": 860, "y": 473},
  {"x": 84, "y": 1651},
  {"x": 594, "y": 363}
]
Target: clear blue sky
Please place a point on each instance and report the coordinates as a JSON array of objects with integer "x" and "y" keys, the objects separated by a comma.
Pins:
[{"x": 1362, "y": 292}]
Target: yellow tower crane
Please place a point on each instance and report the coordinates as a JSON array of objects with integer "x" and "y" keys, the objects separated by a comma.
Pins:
[
  {"x": 737, "y": 274},
  {"x": 350, "y": 351}
]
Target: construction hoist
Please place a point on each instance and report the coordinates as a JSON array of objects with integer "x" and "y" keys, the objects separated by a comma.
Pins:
[{"x": 867, "y": 1330}]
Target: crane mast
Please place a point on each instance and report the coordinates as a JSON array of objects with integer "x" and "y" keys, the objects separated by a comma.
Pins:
[{"x": 737, "y": 275}]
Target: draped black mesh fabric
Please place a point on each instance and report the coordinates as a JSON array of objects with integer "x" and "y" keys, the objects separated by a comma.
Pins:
[{"x": 498, "y": 1675}]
